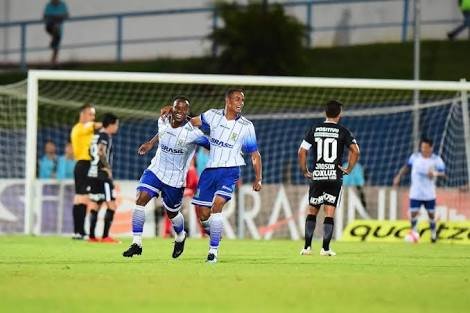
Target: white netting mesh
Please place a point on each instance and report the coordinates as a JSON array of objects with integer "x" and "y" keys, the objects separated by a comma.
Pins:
[{"x": 381, "y": 120}]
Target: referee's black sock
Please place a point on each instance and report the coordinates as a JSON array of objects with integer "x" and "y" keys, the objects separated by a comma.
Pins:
[
  {"x": 310, "y": 222},
  {"x": 81, "y": 214},
  {"x": 327, "y": 232},
  {"x": 108, "y": 220},
  {"x": 75, "y": 214},
  {"x": 93, "y": 220}
]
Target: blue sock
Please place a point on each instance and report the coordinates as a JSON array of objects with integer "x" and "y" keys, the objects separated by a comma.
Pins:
[
  {"x": 216, "y": 228},
  {"x": 178, "y": 223},
  {"x": 138, "y": 220},
  {"x": 414, "y": 221}
]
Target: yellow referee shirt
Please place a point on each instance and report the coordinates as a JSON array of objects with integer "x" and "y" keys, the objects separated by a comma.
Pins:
[{"x": 81, "y": 136}]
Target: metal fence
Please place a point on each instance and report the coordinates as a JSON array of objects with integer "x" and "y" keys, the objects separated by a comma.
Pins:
[{"x": 402, "y": 24}]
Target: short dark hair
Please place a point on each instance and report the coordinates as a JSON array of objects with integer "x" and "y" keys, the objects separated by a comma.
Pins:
[
  {"x": 333, "y": 108},
  {"x": 181, "y": 98},
  {"x": 109, "y": 119},
  {"x": 230, "y": 91},
  {"x": 86, "y": 106},
  {"x": 427, "y": 140}
]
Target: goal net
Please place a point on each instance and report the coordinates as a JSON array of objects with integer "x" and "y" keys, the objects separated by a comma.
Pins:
[{"x": 383, "y": 115}]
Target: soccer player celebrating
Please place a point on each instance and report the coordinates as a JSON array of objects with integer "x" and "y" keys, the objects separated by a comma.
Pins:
[
  {"x": 426, "y": 167},
  {"x": 100, "y": 177},
  {"x": 230, "y": 135},
  {"x": 81, "y": 136},
  {"x": 328, "y": 140},
  {"x": 166, "y": 174}
]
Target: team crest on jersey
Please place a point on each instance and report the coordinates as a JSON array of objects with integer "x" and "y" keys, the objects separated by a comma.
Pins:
[
  {"x": 180, "y": 142},
  {"x": 233, "y": 137}
]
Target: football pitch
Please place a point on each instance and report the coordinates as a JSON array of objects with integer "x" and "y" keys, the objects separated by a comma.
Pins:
[{"x": 57, "y": 274}]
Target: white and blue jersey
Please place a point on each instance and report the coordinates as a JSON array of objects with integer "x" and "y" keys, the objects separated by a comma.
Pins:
[
  {"x": 229, "y": 140},
  {"x": 167, "y": 171},
  {"x": 423, "y": 188},
  {"x": 176, "y": 147}
]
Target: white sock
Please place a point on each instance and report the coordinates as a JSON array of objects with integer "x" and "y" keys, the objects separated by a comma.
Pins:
[
  {"x": 178, "y": 223},
  {"x": 180, "y": 237},
  {"x": 138, "y": 220},
  {"x": 137, "y": 239},
  {"x": 216, "y": 228}
]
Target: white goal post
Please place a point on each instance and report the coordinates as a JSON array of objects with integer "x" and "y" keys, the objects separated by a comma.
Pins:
[{"x": 36, "y": 76}]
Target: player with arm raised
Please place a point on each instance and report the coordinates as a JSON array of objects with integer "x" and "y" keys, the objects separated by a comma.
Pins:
[
  {"x": 231, "y": 135},
  {"x": 166, "y": 174},
  {"x": 101, "y": 179},
  {"x": 425, "y": 167},
  {"x": 328, "y": 140}
]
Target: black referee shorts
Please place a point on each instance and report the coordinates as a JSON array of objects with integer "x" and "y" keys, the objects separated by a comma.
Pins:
[
  {"x": 80, "y": 175},
  {"x": 324, "y": 192}
]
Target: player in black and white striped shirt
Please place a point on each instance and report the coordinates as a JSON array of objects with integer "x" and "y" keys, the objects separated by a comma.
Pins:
[{"x": 100, "y": 176}]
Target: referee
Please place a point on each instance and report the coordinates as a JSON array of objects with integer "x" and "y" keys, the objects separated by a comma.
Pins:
[{"x": 81, "y": 136}]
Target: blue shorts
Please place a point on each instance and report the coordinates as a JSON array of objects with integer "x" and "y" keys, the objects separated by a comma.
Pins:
[
  {"x": 216, "y": 181},
  {"x": 171, "y": 196},
  {"x": 429, "y": 205}
]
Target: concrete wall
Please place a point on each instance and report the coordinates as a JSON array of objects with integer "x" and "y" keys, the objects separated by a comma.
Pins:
[{"x": 199, "y": 24}]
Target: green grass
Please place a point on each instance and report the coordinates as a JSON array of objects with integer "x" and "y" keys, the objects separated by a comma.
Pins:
[{"x": 50, "y": 274}]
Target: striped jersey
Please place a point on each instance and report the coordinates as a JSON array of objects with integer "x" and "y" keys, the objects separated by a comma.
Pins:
[
  {"x": 229, "y": 139},
  {"x": 96, "y": 166},
  {"x": 174, "y": 153},
  {"x": 422, "y": 186}
]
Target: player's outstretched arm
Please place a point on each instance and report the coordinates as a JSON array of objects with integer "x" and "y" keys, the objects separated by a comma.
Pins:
[
  {"x": 97, "y": 125},
  {"x": 353, "y": 157},
  {"x": 258, "y": 167},
  {"x": 302, "y": 156},
  {"x": 403, "y": 170},
  {"x": 147, "y": 146}
]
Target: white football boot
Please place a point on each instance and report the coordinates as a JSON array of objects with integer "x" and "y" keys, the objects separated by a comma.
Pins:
[
  {"x": 307, "y": 251},
  {"x": 324, "y": 252}
]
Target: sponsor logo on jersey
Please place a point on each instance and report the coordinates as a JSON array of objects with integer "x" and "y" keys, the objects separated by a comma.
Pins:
[
  {"x": 171, "y": 150},
  {"x": 326, "y": 197},
  {"x": 220, "y": 143}
]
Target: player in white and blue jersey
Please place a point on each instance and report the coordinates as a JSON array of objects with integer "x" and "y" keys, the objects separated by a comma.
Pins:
[
  {"x": 231, "y": 136},
  {"x": 166, "y": 174},
  {"x": 425, "y": 167}
]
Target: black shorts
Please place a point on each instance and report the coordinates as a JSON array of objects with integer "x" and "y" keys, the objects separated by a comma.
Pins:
[
  {"x": 324, "y": 192},
  {"x": 80, "y": 174},
  {"x": 101, "y": 190}
]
